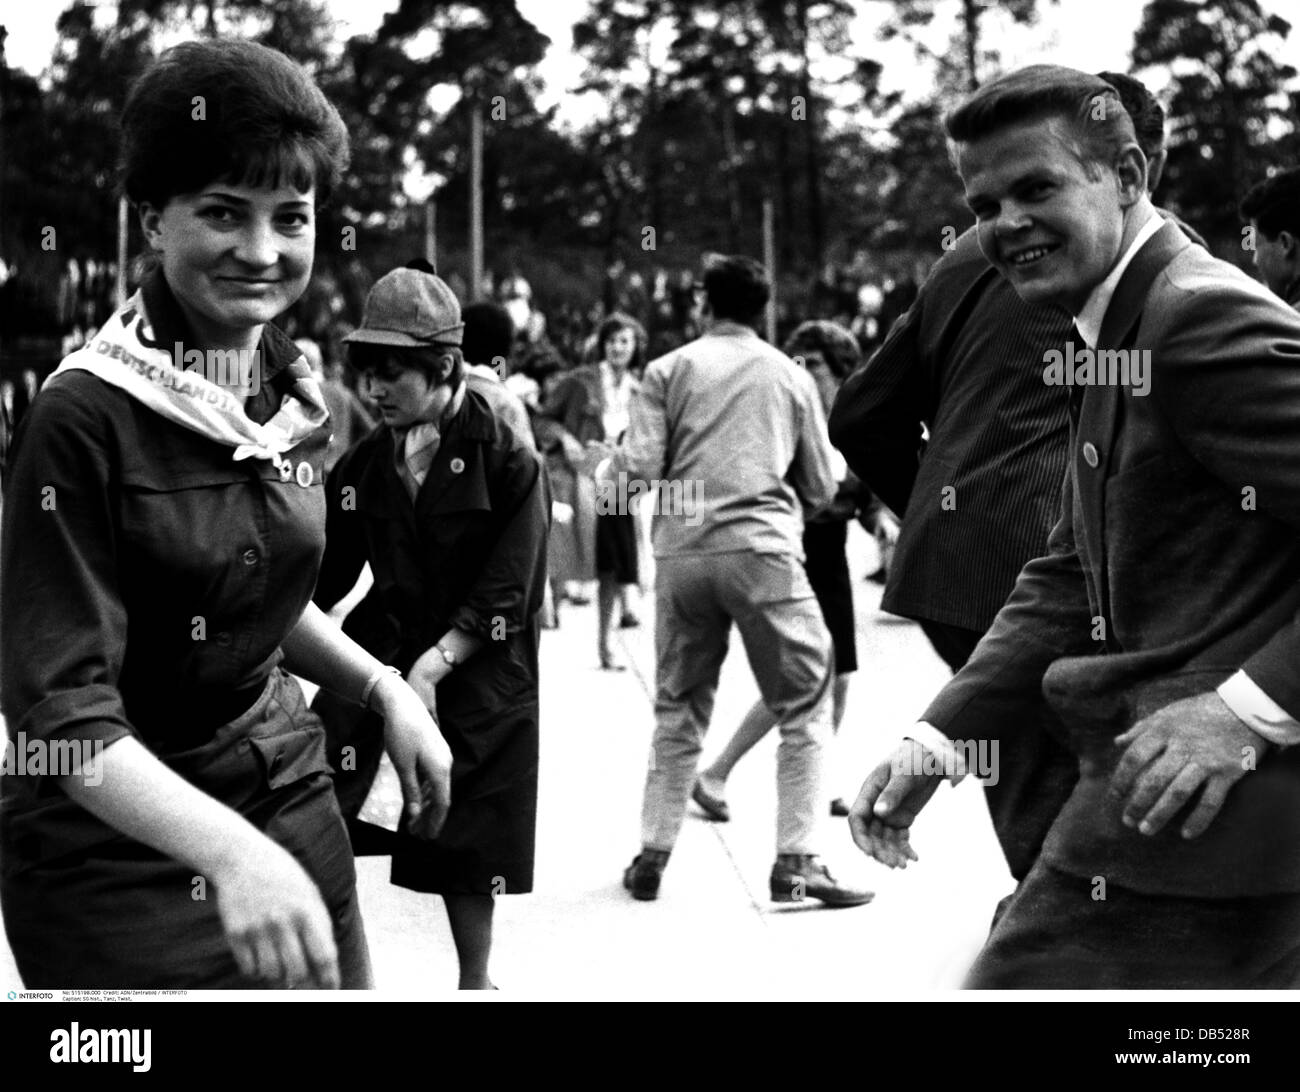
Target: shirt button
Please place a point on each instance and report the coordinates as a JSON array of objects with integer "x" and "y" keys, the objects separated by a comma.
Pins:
[
  {"x": 250, "y": 557},
  {"x": 1090, "y": 455}
]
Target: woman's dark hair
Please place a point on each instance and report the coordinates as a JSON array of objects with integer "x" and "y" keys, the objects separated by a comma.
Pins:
[
  {"x": 827, "y": 341},
  {"x": 1087, "y": 104},
  {"x": 387, "y": 360},
  {"x": 615, "y": 323},
  {"x": 227, "y": 109}
]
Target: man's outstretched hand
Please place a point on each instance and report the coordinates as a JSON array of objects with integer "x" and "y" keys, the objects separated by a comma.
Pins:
[{"x": 880, "y": 819}]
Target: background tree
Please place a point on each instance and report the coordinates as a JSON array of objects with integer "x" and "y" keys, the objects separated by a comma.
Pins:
[{"x": 1229, "y": 113}]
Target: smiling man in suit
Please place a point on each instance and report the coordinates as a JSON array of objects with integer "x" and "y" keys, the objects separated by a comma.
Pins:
[{"x": 1161, "y": 626}]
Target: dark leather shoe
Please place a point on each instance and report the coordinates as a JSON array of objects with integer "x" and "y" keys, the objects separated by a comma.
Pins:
[
  {"x": 642, "y": 876},
  {"x": 839, "y": 809},
  {"x": 713, "y": 806},
  {"x": 795, "y": 878}
]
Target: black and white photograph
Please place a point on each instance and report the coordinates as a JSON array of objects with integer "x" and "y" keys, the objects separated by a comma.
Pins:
[{"x": 651, "y": 501}]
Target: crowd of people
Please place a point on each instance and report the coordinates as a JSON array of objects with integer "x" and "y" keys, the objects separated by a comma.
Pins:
[{"x": 175, "y": 533}]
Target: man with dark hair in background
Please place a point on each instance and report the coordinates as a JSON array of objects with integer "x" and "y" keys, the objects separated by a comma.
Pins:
[
  {"x": 734, "y": 430},
  {"x": 1273, "y": 209}
]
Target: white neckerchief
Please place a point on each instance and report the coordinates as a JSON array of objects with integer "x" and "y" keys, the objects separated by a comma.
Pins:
[
  {"x": 119, "y": 356},
  {"x": 419, "y": 444},
  {"x": 1090, "y": 318}
]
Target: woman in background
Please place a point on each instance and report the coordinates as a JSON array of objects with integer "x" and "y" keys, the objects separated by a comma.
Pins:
[{"x": 592, "y": 404}]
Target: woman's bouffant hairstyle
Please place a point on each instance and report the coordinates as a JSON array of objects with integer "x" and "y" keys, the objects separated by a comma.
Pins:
[
  {"x": 827, "y": 341},
  {"x": 613, "y": 324},
  {"x": 1088, "y": 104},
  {"x": 228, "y": 110}
]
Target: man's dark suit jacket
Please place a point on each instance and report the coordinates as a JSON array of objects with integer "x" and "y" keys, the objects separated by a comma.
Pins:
[
  {"x": 1178, "y": 534},
  {"x": 967, "y": 360}
]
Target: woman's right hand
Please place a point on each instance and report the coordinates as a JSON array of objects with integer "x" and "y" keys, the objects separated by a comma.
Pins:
[
  {"x": 419, "y": 753},
  {"x": 275, "y": 919}
]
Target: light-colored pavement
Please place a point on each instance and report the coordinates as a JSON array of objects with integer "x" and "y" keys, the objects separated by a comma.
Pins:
[{"x": 712, "y": 933}]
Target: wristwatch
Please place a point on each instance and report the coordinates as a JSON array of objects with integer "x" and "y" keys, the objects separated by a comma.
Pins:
[{"x": 448, "y": 656}]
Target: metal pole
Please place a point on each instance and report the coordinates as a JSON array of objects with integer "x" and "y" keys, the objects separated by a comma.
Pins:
[
  {"x": 431, "y": 232},
  {"x": 769, "y": 260},
  {"x": 123, "y": 226},
  {"x": 476, "y": 201}
]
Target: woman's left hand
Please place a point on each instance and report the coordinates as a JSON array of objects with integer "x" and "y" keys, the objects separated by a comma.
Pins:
[{"x": 419, "y": 753}]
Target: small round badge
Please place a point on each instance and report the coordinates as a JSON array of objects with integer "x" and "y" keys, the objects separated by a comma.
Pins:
[
  {"x": 305, "y": 474},
  {"x": 286, "y": 470},
  {"x": 457, "y": 466}
]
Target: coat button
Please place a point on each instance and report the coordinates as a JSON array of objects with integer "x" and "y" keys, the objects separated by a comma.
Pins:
[
  {"x": 250, "y": 557},
  {"x": 1090, "y": 455},
  {"x": 457, "y": 465},
  {"x": 223, "y": 639}
]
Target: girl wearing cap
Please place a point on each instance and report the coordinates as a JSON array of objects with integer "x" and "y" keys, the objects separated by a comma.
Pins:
[
  {"x": 451, "y": 509},
  {"x": 164, "y": 526}
]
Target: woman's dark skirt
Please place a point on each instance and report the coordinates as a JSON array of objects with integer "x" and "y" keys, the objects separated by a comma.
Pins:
[
  {"x": 827, "y": 565},
  {"x": 86, "y": 907},
  {"x": 487, "y": 845},
  {"x": 616, "y": 547}
]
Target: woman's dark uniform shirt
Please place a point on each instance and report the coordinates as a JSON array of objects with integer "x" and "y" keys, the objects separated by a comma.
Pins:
[{"x": 147, "y": 581}]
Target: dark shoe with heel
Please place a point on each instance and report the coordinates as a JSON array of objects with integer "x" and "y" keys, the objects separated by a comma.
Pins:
[
  {"x": 713, "y": 806},
  {"x": 797, "y": 877},
  {"x": 642, "y": 876}
]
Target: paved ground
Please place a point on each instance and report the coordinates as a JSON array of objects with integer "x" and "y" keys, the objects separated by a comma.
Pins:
[{"x": 712, "y": 933}]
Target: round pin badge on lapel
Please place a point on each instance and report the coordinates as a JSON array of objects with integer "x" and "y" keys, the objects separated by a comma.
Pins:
[
  {"x": 305, "y": 475},
  {"x": 457, "y": 466}
]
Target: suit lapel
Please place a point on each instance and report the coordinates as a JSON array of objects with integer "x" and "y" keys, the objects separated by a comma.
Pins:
[{"x": 1101, "y": 408}]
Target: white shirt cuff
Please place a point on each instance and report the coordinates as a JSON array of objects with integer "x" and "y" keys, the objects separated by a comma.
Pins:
[
  {"x": 947, "y": 759},
  {"x": 1258, "y": 711}
]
